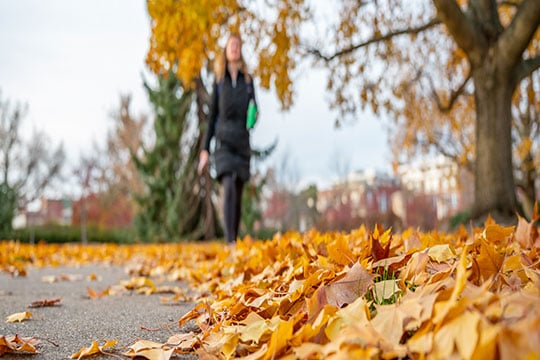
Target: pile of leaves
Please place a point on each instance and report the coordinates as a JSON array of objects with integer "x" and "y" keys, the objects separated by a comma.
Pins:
[{"x": 363, "y": 294}]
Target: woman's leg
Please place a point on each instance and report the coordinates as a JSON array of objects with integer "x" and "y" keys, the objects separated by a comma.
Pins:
[
  {"x": 239, "y": 186},
  {"x": 229, "y": 206}
]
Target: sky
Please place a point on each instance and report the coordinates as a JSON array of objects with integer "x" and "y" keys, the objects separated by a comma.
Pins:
[{"x": 70, "y": 61}]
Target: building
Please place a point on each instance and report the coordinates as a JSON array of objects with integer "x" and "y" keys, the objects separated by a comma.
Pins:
[
  {"x": 437, "y": 183},
  {"x": 364, "y": 197},
  {"x": 44, "y": 211}
]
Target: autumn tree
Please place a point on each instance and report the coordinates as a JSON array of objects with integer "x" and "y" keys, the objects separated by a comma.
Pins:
[
  {"x": 381, "y": 54},
  {"x": 125, "y": 140},
  {"x": 478, "y": 51},
  {"x": 27, "y": 166}
]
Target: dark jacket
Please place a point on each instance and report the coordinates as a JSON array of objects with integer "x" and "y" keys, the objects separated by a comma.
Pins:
[{"x": 227, "y": 122}]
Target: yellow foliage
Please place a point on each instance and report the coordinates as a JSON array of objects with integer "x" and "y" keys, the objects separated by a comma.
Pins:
[{"x": 450, "y": 296}]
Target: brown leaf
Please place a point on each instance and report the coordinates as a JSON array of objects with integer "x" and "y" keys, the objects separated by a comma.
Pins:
[
  {"x": 44, "y": 303},
  {"x": 353, "y": 285},
  {"x": 378, "y": 251},
  {"x": 526, "y": 232}
]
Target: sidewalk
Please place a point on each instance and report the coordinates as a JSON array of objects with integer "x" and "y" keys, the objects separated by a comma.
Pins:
[{"x": 78, "y": 320}]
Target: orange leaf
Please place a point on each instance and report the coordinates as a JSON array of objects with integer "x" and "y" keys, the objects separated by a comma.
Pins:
[
  {"x": 340, "y": 252},
  {"x": 93, "y": 349},
  {"x": 489, "y": 260},
  {"x": 279, "y": 339},
  {"x": 17, "y": 344}
]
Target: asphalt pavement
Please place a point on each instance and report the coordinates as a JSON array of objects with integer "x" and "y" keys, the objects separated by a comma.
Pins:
[{"x": 78, "y": 320}]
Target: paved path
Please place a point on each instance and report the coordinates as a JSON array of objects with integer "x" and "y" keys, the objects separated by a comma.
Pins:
[{"x": 78, "y": 320}]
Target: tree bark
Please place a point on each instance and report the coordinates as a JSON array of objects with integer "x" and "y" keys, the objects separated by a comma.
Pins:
[{"x": 494, "y": 180}]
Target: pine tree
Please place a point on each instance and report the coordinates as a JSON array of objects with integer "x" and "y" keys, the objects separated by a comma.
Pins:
[{"x": 172, "y": 204}]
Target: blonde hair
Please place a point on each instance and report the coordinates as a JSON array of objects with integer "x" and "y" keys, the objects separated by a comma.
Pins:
[{"x": 222, "y": 62}]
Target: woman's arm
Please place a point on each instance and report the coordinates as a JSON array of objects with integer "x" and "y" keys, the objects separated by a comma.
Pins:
[{"x": 210, "y": 130}]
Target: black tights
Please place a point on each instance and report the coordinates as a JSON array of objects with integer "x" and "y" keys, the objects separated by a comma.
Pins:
[{"x": 232, "y": 207}]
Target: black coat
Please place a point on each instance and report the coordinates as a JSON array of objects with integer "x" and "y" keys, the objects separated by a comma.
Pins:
[{"x": 227, "y": 122}]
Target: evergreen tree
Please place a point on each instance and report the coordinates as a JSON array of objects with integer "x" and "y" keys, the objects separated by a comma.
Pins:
[
  {"x": 8, "y": 205},
  {"x": 171, "y": 205}
]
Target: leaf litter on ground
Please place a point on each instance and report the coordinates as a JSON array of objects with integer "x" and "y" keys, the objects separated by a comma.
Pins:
[{"x": 367, "y": 293}]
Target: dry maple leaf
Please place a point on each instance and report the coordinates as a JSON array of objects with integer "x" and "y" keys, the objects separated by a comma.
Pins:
[
  {"x": 17, "y": 344},
  {"x": 378, "y": 251},
  {"x": 150, "y": 350},
  {"x": 93, "y": 349},
  {"x": 44, "y": 303},
  {"x": 19, "y": 317},
  {"x": 353, "y": 285}
]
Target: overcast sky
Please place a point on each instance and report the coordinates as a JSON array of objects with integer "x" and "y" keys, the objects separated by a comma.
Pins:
[{"x": 70, "y": 60}]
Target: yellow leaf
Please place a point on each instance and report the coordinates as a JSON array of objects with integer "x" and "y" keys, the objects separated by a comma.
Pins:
[
  {"x": 279, "y": 339},
  {"x": 441, "y": 253},
  {"x": 461, "y": 332},
  {"x": 93, "y": 349},
  {"x": 19, "y": 317},
  {"x": 497, "y": 234},
  {"x": 254, "y": 327},
  {"x": 391, "y": 320},
  {"x": 150, "y": 350},
  {"x": 183, "y": 342},
  {"x": 356, "y": 313},
  {"x": 340, "y": 252},
  {"x": 487, "y": 344},
  {"x": 461, "y": 279}
]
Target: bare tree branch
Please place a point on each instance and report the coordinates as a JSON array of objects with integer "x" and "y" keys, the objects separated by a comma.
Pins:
[
  {"x": 454, "y": 95},
  {"x": 463, "y": 30},
  {"x": 411, "y": 30},
  {"x": 517, "y": 36},
  {"x": 527, "y": 67}
]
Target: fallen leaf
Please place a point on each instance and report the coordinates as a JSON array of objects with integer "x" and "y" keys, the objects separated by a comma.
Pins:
[
  {"x": 461, "y": 332},
  {"x": 93, "y": 349},
  {"x": 150, "y": 350},
  {"x": 378, "y": 251},
  {"x": 353, "y": 285},
  {"x": 385, "y": 290},
  {"x": 49, "y": 279},
  {"x": 497, "y": 234},
  {"x": 339, "y": 251},
  {"x": 489, "y": 260},
  {"x": 17, "y": 344},
  {"x": 44, "y": 303},
  {"x": 94, "y": 277},
  {"x": 19, "y": 317},
  {"x": 441, "y": 253}
]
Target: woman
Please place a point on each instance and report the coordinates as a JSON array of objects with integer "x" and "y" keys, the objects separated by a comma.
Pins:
[{"x": 232, "y": 93}]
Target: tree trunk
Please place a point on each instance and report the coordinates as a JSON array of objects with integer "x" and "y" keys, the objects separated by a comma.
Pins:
[{"x": 494, "y": 178}]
